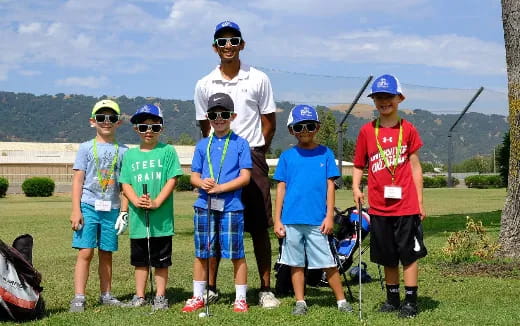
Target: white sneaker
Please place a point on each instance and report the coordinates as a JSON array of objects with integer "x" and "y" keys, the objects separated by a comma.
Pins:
[{"x": 266, "y": 299}]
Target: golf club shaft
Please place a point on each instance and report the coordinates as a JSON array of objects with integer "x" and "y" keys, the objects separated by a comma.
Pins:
[
  {"x": 147, "y": 217},
  {"x": 208, "y": 246},
  {"x": 360, "y": 221}
]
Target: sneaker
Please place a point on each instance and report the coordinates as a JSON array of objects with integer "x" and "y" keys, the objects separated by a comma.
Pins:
[
  {"x": 388, "y": 307},
  {"x": 193, "y": 304},
  {"x": 300, "y": 309},
  {"x": 408, "y": 310},
  {"x": 213, "y": 296},
  {"x": 240, "y": 306},
  {"x": 160, "y": 302},
  {"x": 109, "y": 300},
  {"x": 266, "y": 299},
  {"x": 345, "y": 307},
  {"x": 77, "y": 304},
  {"x": 135, "y": 302}
]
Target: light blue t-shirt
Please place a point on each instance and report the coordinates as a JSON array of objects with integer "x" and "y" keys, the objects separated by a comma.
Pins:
[
  {"x": 238, "y": 156},
  {"x": 305, "y": 172},
  {"x": 91, "y": 186}
]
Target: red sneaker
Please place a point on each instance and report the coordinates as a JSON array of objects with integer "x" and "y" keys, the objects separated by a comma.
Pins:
[
  {"x": 240, "y": 306},
  {"x": 193, "y": 304}
]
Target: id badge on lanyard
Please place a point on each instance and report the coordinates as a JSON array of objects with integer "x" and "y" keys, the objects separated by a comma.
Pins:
[
  {"x": 393, "y": 192},
  {"x": 103, "y": 205}
]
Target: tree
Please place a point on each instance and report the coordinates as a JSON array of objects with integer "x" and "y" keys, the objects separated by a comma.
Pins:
[
  {"x": 185, "y": 139},
  {"x": 328, "y": 135},
  {"x": 503, "y": 159},
  {"x": 509, "y": 237}
]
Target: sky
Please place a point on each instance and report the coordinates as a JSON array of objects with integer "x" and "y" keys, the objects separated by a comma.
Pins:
[{"x": 315, "y": 52}]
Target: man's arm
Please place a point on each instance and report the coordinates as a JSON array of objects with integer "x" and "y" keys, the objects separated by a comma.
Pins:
[
  {"x": 205, "y": 127},
  {"x": 268, "y": 128}
]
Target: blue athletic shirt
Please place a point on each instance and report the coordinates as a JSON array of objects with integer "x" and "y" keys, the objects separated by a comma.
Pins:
[
  {"x": 238, "y": 157},
  {"x": 305, "y": 172}
]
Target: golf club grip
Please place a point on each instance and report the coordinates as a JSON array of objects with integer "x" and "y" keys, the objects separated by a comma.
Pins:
[
  {"x": 145, "y": 189},
  {"x": 146, "y": 211}
]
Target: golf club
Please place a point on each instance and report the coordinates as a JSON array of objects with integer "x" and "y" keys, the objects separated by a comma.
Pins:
[
  {"x": 147, "y": 217},
  {"x": 208, "y": 246},
  {"x": 360, "y": 221}
]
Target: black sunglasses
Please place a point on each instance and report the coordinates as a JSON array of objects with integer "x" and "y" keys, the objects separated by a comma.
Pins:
[
  {"x": 310, "y": 126},
  {"x": 142, "y": 128},
  {"x": 224, "y": 115},
  {"x": 222, "y": 41},
  {"x": 112, "y": 118}
]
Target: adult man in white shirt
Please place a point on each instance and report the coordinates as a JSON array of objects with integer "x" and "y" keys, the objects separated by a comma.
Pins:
[{"x": 252, "y": 94}]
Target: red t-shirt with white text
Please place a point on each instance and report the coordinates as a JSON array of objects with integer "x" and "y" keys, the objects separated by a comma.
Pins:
[{"x": 379, "y": 175}]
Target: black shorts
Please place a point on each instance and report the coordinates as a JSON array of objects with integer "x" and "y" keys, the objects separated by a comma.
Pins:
[
  {"x": 256, "y": 196},
  {"x": 160, "y": 252},
  {"x": 396, "y": 238}
]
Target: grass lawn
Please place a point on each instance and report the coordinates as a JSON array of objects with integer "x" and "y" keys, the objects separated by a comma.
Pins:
[{"x": 445, "y": 298}]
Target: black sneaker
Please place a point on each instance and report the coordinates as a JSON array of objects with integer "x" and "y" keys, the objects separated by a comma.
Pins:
[
  {"x": 388, "y": 307},
  {"x": 408, "y": 310}
]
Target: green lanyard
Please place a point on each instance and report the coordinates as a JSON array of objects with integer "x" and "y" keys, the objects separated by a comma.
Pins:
[
  {"x": 221, "y": 158},
  {"x": 102, "y": 181},
  {"x": 397, "y": 154}
]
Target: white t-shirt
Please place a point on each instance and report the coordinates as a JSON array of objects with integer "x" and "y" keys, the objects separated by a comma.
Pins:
[{"x": 252, "y": 95}]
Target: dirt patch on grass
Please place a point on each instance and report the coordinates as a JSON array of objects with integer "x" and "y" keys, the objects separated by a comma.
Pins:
[{"x": 504, "y": 270}]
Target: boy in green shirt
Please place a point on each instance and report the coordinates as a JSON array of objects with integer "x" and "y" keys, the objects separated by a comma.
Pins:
[{"x": 157, "y": 165}]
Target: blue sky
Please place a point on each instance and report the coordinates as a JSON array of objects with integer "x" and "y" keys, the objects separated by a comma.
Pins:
[{"x": 442, "y": 51}]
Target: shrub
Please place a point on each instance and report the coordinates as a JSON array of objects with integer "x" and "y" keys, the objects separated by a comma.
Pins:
[
  {"x": 38, "y": 187},
  {"x": 347, "y": 181},
  {"x": 183, "y": 183},
  {"x": 4, "y": 185},
  {"x": 470, "y": 244},
  {"x": 482, "y": 181}
]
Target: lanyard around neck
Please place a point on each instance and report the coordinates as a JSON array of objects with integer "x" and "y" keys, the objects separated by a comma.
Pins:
[
  {"x": 398, "y": 152},
  {"x": 103, "y": 182},
  {"x": 210, "y": 165}
]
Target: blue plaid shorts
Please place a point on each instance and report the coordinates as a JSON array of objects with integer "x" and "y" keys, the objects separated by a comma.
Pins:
[{"x": 226, "y": 234}]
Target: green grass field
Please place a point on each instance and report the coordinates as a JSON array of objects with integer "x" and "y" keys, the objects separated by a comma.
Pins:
[{"x": 445, "y": 298}]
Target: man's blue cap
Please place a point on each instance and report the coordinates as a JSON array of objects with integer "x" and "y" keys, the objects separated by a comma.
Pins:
[
  {"x": 148, "y": 110},
  {"x": 227, "y": 25},
  {"x": 302, "y": 113},
  {"x": 386, "y": 84}
]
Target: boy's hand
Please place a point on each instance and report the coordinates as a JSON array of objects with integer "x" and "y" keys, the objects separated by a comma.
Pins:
[
  {"x": 279, "y": 230},
  {"x": 207, "y": 184},
  {"x": 327, "y": 226},
  {"x": 76, "y": 221},
  {"x": 216, "y": 189},
  {"x": 121, "y": 223},
  {"x": 358, "y": 195}
]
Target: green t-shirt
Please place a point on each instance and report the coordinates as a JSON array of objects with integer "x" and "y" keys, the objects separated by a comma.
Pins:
[{"x": 153, "y": 168}]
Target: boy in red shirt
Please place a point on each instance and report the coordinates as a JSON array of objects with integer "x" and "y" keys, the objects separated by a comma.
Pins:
[{"x": 389, "y": 146}]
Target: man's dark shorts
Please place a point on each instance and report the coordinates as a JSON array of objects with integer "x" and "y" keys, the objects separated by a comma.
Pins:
[
  {"x": 396, "y": 238},
  {"x": 160, "y": 252},
  {"x": 256, "y": 196}
]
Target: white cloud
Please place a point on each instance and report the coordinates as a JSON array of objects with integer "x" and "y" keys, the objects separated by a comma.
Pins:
[
  {"x": 29, "y": 28},
  {"x": 89, "y": 82}
]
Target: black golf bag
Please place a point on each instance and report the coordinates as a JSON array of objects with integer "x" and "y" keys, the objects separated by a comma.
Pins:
[
  {"x": 343, "y": 243},
  {"x": 20, "y": 289}
]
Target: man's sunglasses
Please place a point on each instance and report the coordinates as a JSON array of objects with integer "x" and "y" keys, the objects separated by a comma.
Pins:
[
  {"x": 112, "y": 118},
  {"x": 222, "y": 41},
  {"x": 310, "y": 126},
  {"x": 224, "y": 115},
  {"x": 142, "y": 128}
]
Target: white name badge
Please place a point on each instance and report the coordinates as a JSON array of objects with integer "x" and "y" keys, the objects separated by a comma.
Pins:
[
  {"x": 103, "y": 205},
  {"x": 217, "y": 204},
  {"x": 393, "y": 192}
]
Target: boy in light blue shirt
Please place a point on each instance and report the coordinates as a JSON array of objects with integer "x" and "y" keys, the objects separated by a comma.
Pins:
[
  {"x": 304, "y": 209},
  {"x": 96, "y": 202}
]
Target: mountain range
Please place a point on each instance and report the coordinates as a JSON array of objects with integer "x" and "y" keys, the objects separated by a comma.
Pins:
[{"x": 64, "y": 118}]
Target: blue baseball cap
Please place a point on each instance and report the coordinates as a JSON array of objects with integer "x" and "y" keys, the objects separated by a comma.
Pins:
[
  {"x": 148, "y": 110},
  {"x": 227, "y": 25},
  {"x": 386, "y": 84},
  {"x": 302, "y": 113}
]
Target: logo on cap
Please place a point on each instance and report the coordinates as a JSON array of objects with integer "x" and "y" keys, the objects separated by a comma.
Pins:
[
  {"x": 382, "y": 83},
  {"x": 306, "y": 112}
]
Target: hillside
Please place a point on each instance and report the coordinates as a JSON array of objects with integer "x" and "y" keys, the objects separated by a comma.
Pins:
[{"x": 64, "y": 118}]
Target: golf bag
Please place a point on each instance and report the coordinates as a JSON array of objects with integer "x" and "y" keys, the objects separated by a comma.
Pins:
[
  {"x": 20, "y": 289},
  {"x": 344, "y": 243}
]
